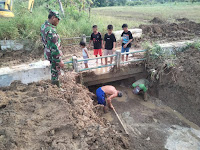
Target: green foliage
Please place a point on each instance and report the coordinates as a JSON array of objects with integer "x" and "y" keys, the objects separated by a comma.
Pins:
[
  {"x": 103, "y": 3},
  {"x": 155, "y": 51},
  {"x": 195, "y": 45},
  {"x": 26, "y": 25}
]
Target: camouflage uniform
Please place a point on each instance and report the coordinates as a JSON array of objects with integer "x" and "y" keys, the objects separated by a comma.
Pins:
[{"x": 52, "y": 52}]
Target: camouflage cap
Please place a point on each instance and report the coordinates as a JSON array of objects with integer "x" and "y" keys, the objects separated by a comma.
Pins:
[{"x": 56, "y": 14}]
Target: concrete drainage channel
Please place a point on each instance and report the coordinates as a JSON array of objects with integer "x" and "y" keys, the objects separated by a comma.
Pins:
[{"x": 151, "y": 125}]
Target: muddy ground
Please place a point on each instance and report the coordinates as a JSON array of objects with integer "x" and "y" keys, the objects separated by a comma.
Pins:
[
  {"x": 151, "y": 125},
  {"x": 40, "y": 116},
  {"x": 178, "y": 86},
  {"x": 160, "y": 30}
]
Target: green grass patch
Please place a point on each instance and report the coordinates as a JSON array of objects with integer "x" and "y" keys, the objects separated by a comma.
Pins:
[{"x": 26, "y": 25}]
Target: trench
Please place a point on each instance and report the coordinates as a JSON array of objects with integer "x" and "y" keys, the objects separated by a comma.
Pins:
[{"x": 153, "y": 124}]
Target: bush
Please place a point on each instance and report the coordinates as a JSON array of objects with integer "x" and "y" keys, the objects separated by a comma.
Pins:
[
  {"x": 26, "y": 25},
  {"x": 133, "y": 3}
]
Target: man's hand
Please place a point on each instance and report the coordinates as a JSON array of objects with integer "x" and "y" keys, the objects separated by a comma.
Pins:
[
  {"x": 61, "y": 64},
  {"x": 111, "y": 107},
  {"x": 113, "y": 49},
  {"x": 125, "y": 46}
]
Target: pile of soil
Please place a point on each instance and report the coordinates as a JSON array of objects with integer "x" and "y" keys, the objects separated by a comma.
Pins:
[
  {"x": 171, "y": 31},
  {"x": 178, "y": 87},
  {"x": 42, "y": 116},
  {"x": 10, "y": 57},
  {"x": 157, "y": 20}
]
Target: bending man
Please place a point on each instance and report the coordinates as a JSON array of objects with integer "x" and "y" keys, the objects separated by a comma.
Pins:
[
  {"x": 107, "y": 90},
  {"x": 141, "y": 87}
]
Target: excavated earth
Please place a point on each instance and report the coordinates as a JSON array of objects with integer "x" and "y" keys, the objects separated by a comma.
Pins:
[
  {"x": 160, "y": 30},
  {"x": 178, "y": 87},
  {"x": 40, "y": 116}
]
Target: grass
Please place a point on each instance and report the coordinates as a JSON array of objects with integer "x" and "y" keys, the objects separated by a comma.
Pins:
[
  {"x": 26, "y": 25},
  {"x": 136, "y": 15}
]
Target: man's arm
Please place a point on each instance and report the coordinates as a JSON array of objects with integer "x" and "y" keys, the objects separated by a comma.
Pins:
[
  {"x": 101, "y": 41},
  {"x": 128, "y": 43},
  {"x": 86, "y": 52},
  {"x": 114, "y": 43},
  {"x": 110, "y": 98},
  {"x": 131, "y": 39},
  {"x": 102, "y": 44},
  {"x": 90, "y": 41},
  {"x": 53, "y": 42}
]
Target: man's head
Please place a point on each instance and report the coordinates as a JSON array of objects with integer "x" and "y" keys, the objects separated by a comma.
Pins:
[
  {"x": 110, "y": 29},
  {"x": 94, "y": 28},
  {"x": 119, "y": 94},
  {"x": 136, "y": 90},
  {"x": 54, "y": 17},
  {"x": 125, "y": 27},
  {"x": 82, "y": 44}
]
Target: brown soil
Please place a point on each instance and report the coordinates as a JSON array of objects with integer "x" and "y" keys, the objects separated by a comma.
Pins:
[
  {"x": 171, "y": 31},
  {"x": 178, "y": 87},
  {"x": 42, "y": 116},
  {"x": 157, "y": 20}
]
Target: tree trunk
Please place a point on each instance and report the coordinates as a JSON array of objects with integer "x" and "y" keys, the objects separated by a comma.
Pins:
[{"x": 61, "y": 7}]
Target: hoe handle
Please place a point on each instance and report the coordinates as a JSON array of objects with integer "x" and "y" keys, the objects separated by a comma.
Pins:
[{"x": 120, "y": 121}]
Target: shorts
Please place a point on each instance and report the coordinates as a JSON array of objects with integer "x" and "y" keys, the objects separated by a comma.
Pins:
[
  {"x": 125, "y": 49},
  {"x": 107, "y": 52},
  {"x": 85, "y": 61},
  {"x": 97, "y": 51},
  {"x": 101, "y": 96}
]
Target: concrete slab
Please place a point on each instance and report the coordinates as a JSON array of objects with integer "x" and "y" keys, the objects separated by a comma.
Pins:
[
  {"x": 135, "y": 32},
  {"x": 174, "y": 46},
  {"x": 112, "y": 76},
  {"x": 15, "y": 45},
  {"x": 26, "y": 73}
]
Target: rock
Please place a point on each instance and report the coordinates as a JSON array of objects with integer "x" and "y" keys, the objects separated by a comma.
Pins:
[{"x": 148, "y": 139}]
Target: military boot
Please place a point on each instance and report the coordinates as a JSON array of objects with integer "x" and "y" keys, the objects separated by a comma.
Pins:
[{"x": 56, "y": 82}]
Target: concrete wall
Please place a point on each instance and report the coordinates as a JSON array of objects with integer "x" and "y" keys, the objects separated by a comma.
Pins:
[
  {"x": 174, "y": 46},
  {"x": 135, "y": 32},
  {"x": 25, "y": 73},
  {"x": 16, "y": 45}
]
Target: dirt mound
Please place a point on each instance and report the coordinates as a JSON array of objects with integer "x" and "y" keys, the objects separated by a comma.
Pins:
[
  {"x": 41, "y": 116},
  {"x": 182, "y": 19},
  {"x": 178, "y": 85},
  {"x": 171, "y": 32},
  {"x": 157, "y": 20}
]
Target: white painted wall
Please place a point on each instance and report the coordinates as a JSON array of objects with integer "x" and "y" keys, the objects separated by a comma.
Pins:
[
  {"x": 135, "y": 32},
  {"x": 25, "y": 73}
]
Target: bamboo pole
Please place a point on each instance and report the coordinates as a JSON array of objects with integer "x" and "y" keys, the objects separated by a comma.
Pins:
[{"x": 120, "y": 121}]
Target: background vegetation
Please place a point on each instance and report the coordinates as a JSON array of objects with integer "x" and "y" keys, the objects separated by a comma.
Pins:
[{"x": 26, "y": 25}]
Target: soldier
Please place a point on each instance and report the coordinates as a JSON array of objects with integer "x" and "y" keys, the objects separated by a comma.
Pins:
[{"x": 51, "y": 41}]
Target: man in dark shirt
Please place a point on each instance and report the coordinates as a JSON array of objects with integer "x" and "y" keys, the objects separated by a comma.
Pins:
[
  {"x": 97, "y": 42},
  {"x": 109, "y": 43},
  {"x": 126, "y": 40}
]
